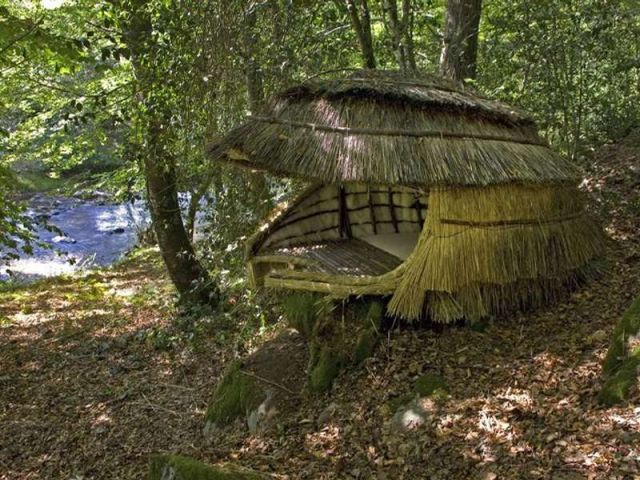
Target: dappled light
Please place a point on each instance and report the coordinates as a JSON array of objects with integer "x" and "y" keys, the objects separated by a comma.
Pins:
[{"x": 447, "y": 282}]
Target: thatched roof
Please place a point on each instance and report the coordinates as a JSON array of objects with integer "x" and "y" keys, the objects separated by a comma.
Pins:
[{"x": 381, "y": 127}]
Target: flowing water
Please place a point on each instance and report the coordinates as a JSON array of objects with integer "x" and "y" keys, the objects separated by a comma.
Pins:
[{"x": 94, "y": 233}]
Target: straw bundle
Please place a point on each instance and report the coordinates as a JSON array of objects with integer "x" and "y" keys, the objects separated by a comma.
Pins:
[{"x": 487, "y": 250}]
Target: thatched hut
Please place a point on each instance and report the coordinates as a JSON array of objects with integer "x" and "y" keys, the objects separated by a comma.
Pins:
[{"x": 450, "y": 203}]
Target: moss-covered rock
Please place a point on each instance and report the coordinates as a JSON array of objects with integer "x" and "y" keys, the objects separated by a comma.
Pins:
[
  {"x": 325, "y": 370},
  {"x": 375, "y": 313},
  {"x": 431, "y": 385},
  {"x": 365, "y": 345},
  {"x": 396, "y": 403},
  {"x": 176, "y": 467},
  {"x": 616, "y": 388},
  {"x": 480, "y": 325},
  {"x": 627, "y": 328},
  {"x": 338, "y": 335},
  {"x": 622, "y": 363},
  {"x": 302, "y": 312},
  {"x": 427, "y": 385},
  {"x": 234, "y": 397}
]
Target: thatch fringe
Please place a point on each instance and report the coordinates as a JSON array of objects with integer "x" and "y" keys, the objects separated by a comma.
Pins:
[
  {"x": 336, "y": 156},
  {"x": 456, "y": 269},
  {"x": 475, "y": 302}
]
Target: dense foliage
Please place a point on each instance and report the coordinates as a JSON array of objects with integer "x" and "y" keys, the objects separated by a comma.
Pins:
[{"x": 70, "y": 98}]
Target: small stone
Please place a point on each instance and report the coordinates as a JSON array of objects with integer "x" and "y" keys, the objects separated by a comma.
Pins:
[
  {"x": 409, "y": 417},
  {"x": 117, "y": 230}
]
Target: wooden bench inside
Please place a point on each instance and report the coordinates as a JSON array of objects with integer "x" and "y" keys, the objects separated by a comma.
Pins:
[{"x": 351, "y": 257}]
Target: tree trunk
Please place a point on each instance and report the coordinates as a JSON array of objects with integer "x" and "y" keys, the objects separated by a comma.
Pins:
[
  {"x": 407, "y": 18},
  {"x": 401, "y": 34},
  {"x": 361, "y": 22},
  {"x": 253, "y": 73},
  {"x": 460, "y": 48},
  {"x": 186, "y": 273}
]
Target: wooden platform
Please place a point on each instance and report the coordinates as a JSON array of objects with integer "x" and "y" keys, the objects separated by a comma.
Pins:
[{"x": 343, "y": 257}]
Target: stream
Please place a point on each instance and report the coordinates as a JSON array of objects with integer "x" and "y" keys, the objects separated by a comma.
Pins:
[{"x": 94, "y": 233}]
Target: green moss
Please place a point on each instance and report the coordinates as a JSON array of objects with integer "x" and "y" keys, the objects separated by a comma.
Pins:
[
  {"x": 431, "y": 385},
  {"x": 302, "y": 311},
  {"x": 628, "y": 326},
  {"x": 365, "y": 345},
  {"x": 480, "y": 325},
  {"x": 234, "y": 397},
  {"x": 396, "y": 403},
  {"x": 375, "y": 313},
  {"x": 617, "y": 387},
  {"x": 325, "y": 371},
  {"x": 176, "y": 467}
]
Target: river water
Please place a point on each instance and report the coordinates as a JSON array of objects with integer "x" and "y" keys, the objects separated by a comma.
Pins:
[{"x": 95, "y": 233}]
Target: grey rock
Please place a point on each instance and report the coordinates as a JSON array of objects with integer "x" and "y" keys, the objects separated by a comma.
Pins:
[
  {"x": 409, "y": 417},
  {"x": 259, "y": 417}
]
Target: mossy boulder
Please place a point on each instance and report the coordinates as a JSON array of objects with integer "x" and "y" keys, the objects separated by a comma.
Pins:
[
  {"x": 302, "y": 312},
  {"x": 626, "y": 330},
  {"x": 622, "y": 363},
  {"x": 344, "y": 335},
  {"x": 265, "y": 385},
  {"x": 234, "y": 397},
  {"x": 616, "y": 388},
  {"x": 325, "y": 370},
  {"x": 375, "y": 313},
  {"x": 176, "y": 467},
  {"x": 365, "y": 345}
]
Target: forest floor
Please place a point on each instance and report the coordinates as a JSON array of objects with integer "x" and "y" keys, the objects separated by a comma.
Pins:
[{"x": 99, "y": 371}]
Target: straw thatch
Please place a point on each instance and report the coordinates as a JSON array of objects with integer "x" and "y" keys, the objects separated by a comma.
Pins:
[
  {"x": 449, "y": 203},
  {"x": 380, "y": 128}
]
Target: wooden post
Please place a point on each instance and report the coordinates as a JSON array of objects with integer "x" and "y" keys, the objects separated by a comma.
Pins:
[
  {"x": 392, "y": 210},
  {"x": 343, "y": 213},
  {"x": 372, "y": 210}
]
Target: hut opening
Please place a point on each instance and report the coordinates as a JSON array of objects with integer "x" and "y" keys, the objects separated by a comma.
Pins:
[
  {"x": 349, "y": 229},
  {"x": 423, "y": 190}
]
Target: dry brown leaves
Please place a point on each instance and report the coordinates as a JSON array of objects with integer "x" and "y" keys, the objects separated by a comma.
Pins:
[{"x": 82, "y": 398}]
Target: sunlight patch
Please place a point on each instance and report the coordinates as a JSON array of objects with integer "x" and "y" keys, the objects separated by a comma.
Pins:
[{"x": 52, "y": 4}]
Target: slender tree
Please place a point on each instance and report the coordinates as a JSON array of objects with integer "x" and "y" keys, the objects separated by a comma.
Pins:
[
  {"x": 400, "y": 29},
  {"x": 154, "y": 120},
  {"x": 361, "y": 22},
  {"x": 460, "y": 46}
]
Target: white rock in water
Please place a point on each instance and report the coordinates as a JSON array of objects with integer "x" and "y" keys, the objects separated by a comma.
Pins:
[{"x": 63, "y": 239}]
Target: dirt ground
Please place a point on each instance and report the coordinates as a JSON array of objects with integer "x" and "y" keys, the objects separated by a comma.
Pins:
[{"x": 95, "y": 376}]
